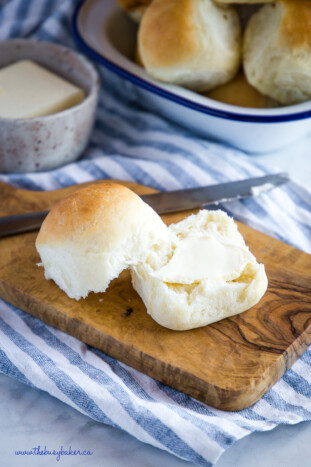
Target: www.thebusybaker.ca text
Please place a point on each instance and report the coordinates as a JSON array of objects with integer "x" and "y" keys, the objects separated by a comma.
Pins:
[{"x": 38, "y": 451}]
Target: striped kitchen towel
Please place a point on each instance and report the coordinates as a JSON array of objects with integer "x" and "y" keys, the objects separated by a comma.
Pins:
[{"x": 130, "y": 143}]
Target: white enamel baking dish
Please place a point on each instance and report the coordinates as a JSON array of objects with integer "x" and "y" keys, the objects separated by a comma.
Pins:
[{"x": 106, "y": 35}]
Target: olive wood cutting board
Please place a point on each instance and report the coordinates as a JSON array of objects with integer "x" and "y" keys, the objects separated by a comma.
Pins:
[{"x": 228, "y": 365}]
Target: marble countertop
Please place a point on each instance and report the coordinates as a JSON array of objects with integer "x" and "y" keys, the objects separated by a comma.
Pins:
[{"x": 30, "y": 418}]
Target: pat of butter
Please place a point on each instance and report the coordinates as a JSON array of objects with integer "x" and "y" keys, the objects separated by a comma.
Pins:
[
  {"x": 198, "y": 258},
  {"x": 28, "y": 90}
]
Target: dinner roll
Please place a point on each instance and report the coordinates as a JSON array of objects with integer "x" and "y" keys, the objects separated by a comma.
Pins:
[
  {"x": 206, "y": 274},
  {"x": 240, "y": 92},
  {"x": 135, "y": 8},
  {"x": 277, "y": 51},
  {"x": 90, "y": 236},
  {"x": 192, "y": 43}
]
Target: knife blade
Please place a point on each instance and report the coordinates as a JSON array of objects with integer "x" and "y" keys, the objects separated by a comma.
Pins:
[
  {"x": 182, "y": 200},
  {"x": 166, "y": 202}
]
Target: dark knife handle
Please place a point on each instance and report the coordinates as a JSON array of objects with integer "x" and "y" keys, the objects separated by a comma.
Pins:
[{"x": 10, "y": 225}]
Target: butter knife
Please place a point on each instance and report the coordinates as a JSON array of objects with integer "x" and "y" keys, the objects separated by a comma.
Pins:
[{"x": 166, "y": 202}]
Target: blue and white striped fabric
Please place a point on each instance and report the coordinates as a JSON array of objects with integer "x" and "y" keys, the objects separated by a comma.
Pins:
[{"x": 131, "y": 144}]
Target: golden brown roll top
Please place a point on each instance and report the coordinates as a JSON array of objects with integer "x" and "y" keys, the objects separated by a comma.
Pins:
[
  {"x": 296, "y": 24},
  {"x": 195, "y": 44},
  {"x": 89, "y": 237}
]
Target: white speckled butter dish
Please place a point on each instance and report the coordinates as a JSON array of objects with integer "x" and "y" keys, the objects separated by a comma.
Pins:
[{"x": 44, "y": 143}]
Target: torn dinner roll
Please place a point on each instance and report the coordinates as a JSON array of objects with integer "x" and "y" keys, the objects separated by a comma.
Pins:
[
  {"x": 135, "y": 8},
  {"x": 93, "y": 234},
  {"x": 277, "y": 51},
  {"x": 195, "y": 44},
  {"x": 205, "y": 273}
]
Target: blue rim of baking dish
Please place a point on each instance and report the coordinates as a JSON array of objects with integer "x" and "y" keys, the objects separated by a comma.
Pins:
[{"x": 227, "y": 115}]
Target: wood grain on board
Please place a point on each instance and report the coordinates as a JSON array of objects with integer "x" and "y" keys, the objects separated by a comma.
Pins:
[{"x": 228, "y": 365}]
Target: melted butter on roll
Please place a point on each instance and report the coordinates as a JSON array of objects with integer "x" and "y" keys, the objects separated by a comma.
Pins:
[
  {"x": 198, "y": 258},
  {"x": 206, "y": 273}
]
